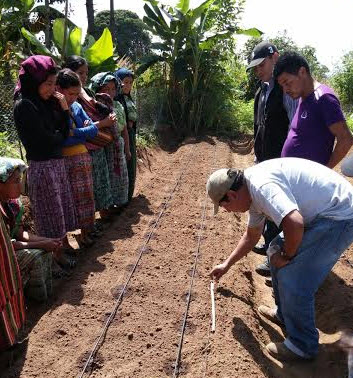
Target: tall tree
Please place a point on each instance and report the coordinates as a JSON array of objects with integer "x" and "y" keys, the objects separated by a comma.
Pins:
[
  {"x": 90, "y": 16},
  {"x": 65, "y": 27},
  {"x": 111, "y": 19},
  {"x": 47, "y": 24},
  {"x": 130, "y": 35}
]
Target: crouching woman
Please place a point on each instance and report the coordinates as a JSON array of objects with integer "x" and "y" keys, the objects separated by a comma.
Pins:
[{"x": 33, "y": 252}]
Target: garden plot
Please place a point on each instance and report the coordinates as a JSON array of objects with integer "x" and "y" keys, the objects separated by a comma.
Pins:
[{"x": 144, "y": 337}]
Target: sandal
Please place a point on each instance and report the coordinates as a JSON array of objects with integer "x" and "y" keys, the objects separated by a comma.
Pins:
[
  {"x": 70, "y": 251},
  {"x": 83, "y": 243}
]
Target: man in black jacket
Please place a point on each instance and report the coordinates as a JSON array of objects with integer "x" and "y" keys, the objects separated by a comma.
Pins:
[{"x": 273, "y": 112}]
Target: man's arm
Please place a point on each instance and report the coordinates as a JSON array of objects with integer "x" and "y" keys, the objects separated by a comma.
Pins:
[
  {"x": 245, "y": 245},
  {"x": 290, "y": 104},
  {"x": 344, "y": 141},
  {"x": 293, "y": 230}
]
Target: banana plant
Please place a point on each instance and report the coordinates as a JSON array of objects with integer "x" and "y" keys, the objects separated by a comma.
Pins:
[
  {"x": 186, "y": 42},
  {"x": 99, "y": 54}
]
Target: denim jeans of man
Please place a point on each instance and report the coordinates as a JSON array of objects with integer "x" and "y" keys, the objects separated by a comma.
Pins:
[{"x": 295, "y": 284}]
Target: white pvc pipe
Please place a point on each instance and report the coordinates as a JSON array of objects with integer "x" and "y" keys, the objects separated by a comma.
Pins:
[{"x": 213, "y": 304}]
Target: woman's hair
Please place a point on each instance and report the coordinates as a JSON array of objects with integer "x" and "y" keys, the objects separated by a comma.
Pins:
[
  {"x": 67, "y": 79},
  {"x": 74, "y": 62}
]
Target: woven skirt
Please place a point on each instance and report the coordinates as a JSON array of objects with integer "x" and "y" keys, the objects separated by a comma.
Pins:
[
  {"x": 101, "y": 181},
  {"x": 12, "y": 309},
  {"x": 51, "y": 198},
  {"x": 119, "y": 180},
  {"x": 131, "y": 164},
  {"x": 79, "y": 172},
  {"x": 35, "y": 266}
]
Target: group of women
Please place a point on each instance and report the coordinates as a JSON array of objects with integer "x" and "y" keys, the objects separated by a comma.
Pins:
[{"x": 80, "y": 144}]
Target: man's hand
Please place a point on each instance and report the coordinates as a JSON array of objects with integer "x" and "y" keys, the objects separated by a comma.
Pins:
[
  {"x": 278, "y": 261},
  {"x": 218, "y": 271}
]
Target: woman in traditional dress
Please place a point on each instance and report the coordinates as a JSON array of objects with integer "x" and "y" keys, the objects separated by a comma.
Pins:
[
  {"x": 97, "y": 112},
  {"x": 33, "y": 252},
  {"x": 105, "y": 86},
  {"x": 78, "y": 161},
  {"x": 127, "y": 78},
  {"x": 42, "y": 120},
  {"x": 12, "y": 309}
]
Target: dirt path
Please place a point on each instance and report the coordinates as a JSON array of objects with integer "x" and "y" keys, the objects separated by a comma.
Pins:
[{"x": 142, "y": 341}]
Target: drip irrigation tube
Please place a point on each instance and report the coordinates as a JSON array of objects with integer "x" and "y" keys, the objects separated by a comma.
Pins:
[
  {"x": 103, "y": 333},
  {"x": 183, "y": 328}
]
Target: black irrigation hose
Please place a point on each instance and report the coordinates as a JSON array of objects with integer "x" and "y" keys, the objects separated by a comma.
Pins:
[
  {"x": 183, "y": 328},
  {"x": 180, "y": 346},
  {"x": 101, "y": 337}
]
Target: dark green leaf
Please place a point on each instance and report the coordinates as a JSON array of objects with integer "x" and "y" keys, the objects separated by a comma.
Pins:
[
  {"x": 148, "y": 61},
  {"x": 253, "y": 32},
  {"x": 39, "y": 47}
]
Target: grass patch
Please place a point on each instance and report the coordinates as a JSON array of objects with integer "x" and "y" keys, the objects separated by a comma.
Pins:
[{"x": 146, "y": 138}]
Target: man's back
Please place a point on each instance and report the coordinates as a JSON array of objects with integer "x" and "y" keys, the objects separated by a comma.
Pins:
[{"x": 281, "y": 185}]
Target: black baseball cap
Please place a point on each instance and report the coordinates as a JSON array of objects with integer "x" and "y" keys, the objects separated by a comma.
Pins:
[{"x": 260, "y": 52}]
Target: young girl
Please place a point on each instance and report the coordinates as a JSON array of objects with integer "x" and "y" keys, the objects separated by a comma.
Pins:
[
  {"x": 42, "y": 120},
  {"x": 127, "y": 77},
  {"x": 105, "y": 86},
  {"x": 78, "y": 161}
]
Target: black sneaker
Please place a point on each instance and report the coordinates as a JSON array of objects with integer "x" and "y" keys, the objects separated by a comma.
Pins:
[
  {"x": 260, "y": 249},
  {"x": 263, "y": 269}
]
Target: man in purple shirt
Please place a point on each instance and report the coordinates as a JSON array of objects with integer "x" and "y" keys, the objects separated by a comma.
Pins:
[{"x": 318, "y": 121}]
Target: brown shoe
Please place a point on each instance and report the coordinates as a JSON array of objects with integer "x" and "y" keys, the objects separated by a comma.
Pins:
[
  {"x": 270, "y": 314},
  {"x": 281, "y": 353}
]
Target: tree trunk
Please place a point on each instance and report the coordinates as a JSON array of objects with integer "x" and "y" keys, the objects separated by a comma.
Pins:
[
  {"x": 90, "y": 16},
  {"x": 111, "y": 21},
  {"x": 65, "y": 30},
  {"x": 47, "y": 25}
]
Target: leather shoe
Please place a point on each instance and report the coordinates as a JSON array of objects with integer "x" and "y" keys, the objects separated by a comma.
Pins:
[
  {"x": 281, "y": 353},
  {"x": 270, "y": 314}
]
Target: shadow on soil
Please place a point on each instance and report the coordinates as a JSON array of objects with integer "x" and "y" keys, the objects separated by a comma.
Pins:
[
  {"x": 333, "y": 314},
  {"x": 69, "y": 290}
]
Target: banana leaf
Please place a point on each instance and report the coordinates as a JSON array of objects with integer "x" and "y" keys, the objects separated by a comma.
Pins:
[
  {"x": 38, "y": 45},
  {"x": 101, "y": 50}
]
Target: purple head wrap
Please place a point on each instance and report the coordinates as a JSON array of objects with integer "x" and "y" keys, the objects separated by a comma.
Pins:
[{"x": 34, "y": 71}]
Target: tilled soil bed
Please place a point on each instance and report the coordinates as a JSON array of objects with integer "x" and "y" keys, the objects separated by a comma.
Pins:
[{"x": 142, "y": 340}]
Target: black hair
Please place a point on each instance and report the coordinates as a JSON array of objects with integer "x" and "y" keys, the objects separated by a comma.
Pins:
[
  {"x": 67, "y": 79},
  {"x": 74, "y": 62},
  {"x": 290, "y": 62}
]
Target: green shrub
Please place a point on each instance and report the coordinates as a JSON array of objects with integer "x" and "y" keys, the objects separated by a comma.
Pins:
[
  {"x": 349, "y": 120},
  {"x": 7, "y": 148},
  {"x": 146, "y": 138}
]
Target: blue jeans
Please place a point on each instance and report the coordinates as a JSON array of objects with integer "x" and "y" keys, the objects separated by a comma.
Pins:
[{"x": 295, "y": 284}]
